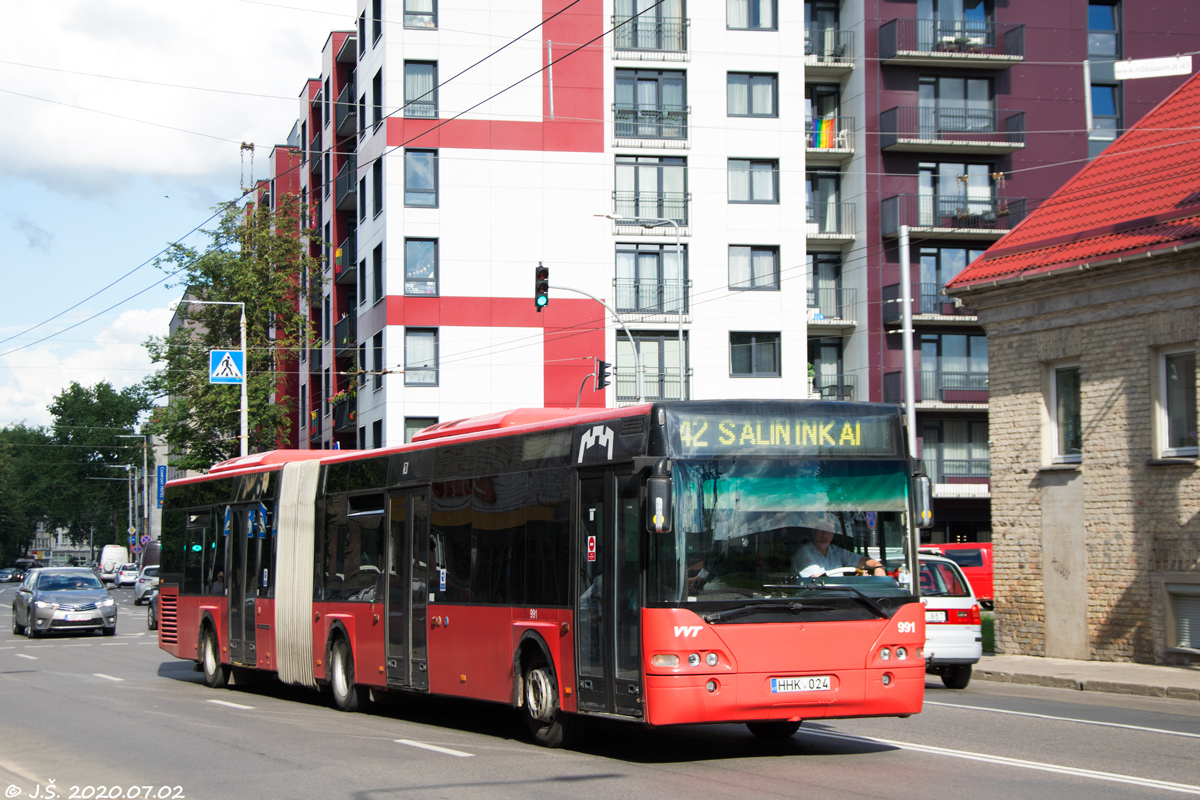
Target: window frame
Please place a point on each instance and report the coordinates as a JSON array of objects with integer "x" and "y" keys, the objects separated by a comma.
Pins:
[
  {"x": 771, "y": 163},
  {"x": 750, "y": 112},
  {"x": 752, "y": 7},
  {"x": 427, "y": 281},
  {"x": 408, "y": 188},
  {"x": 1052, "y": 408},
  {"x": 659, "y": 252},
  {"x": 377, "y": 273},
  {"x": 377, "y": 187},
  {"x": 377, "y": 359},
  {"x": 432, "y": 16},
  {"x": 1163, "y": 408},
  {"x": 753, "y": 344},
  {"x": 421, "y": 111},
  {"x": 752, "y": 286},
  {"x": 409, "y": 430},
  {"x": 376, "y": 21},
  {"x": 411, "y": 370}
]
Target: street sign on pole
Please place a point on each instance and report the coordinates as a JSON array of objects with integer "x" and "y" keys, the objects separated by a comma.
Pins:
[
  {"x": 1152, "y": 67},
  {"x": 226, "y": 366}
]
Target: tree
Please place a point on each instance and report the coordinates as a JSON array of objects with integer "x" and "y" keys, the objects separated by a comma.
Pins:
[
  {"x": 22, "y": 500},
  {"x": 256, "y": 257}
]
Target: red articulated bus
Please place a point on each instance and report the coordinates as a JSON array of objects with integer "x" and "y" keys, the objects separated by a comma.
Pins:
[{"x": 668, "y": 563}]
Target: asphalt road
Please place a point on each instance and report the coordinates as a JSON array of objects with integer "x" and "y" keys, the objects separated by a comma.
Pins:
[{"x": 90, "y": 713}]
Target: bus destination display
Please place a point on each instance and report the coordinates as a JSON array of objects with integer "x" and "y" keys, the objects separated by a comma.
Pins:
[{"x": 739, "y": 434}]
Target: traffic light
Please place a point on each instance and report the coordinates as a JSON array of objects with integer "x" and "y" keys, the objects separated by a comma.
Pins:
[
  {"x": 603, "y": 369},
  {"x": 541, "y": 287}
]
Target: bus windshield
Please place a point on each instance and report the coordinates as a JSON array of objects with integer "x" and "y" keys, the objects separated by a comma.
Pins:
[{"x": 764, "y": 528}]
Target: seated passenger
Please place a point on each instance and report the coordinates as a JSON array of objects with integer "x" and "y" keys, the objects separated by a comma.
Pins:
[{"x": 823, "y": 555}]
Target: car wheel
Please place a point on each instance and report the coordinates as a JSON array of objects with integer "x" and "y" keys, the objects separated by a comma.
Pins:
[
  {"x": 956, "y": 676},
  {"x": 31, "y": 631},
  {"x": 17, "y": 629},
  {"x": 549, "y": 724},
  {"x": 216, "y": 674},
  {"x": 777, "y": 729},
  {"x": 346, "y": 695},
  {"x": 151, "y": 622}
]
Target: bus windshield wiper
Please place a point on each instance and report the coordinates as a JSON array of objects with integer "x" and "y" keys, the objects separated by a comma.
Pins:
[
  {"x": 866, "y": 601},
  {"x": 791, "y": 608}
]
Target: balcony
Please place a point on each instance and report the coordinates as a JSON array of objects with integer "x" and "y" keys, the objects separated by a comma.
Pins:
[
  {"x": 929, "y": 304},
  {"x": 345, "y": 113},
  {"x": 958, "y": 477},
  {"x": 346, "y": 191},
  {"x": 343, "y": 267},
  {"x": 951, "y": 216},
  {"x": 314, "y": 155},
  {"x": 831, "y": 309},
  {"x": 951, "y": 43},
  {"x": 656, "y": 385},
  {"x": 314, "y": 429},
  {"x": 650, "y": 205},
  {"x": 939, "y": 389},
  {"x": 647, "y": 37},
  {"x": 924, "y": 129},
  {"x": 829, "y": 140},
  {"x": 345, "y": 415},
  {"x": 650, "y": 126},
  {"x": 650, "y": 300},
  {"x": 345, "y": 335},
  {"x": 835, "y": 387},
  {"x": 829, "y": 222},
  {"x": 828, "y": 53}
]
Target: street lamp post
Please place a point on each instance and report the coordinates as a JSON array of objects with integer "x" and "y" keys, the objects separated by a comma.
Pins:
[
  {"x": 145, "y": 474},
  {"x": 245, "y": 437},
  {"x": 657, "y": 222}
]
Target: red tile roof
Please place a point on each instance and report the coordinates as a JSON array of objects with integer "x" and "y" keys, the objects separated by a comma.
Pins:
[{"x": 1141, "y": 194}]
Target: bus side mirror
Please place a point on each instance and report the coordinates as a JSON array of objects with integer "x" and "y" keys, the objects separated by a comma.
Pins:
[
  {"x": 922, "y": 502},
  {"x": 658, "y": 504}
]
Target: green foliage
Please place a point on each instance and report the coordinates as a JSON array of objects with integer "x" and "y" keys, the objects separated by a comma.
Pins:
[{"x": 255, "y": 257}]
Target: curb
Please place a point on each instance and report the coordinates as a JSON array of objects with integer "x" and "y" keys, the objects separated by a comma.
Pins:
[{"x": 1111, "y": 687}]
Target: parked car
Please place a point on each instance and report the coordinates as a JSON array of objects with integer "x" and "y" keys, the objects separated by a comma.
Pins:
[
  {"x": 127, "y": 575},
  {"x": 953, "y": 629},
  {"x": 62, "y": 598},
  {"x": 975, "y": 560},
  {"x": 9, "y": 575},
  {"x": 147, "y": 579},
  {"x": 152, "y": 610}
]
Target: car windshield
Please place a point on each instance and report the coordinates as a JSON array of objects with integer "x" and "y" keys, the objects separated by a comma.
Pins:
[
  {"x": 67, "y": 581},
  {"x": 939, "y": 579}
]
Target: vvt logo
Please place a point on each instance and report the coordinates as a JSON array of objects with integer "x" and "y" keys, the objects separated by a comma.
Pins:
[
  {"x": 686, "y": 631},
  {"x": 600, "y": 435}
]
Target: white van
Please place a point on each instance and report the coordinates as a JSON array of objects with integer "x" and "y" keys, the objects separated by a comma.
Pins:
[{"x": 112, "y": 558}]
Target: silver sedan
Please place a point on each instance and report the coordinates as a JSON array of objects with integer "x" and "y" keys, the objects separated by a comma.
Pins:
[{"x": 62, "y": 599}]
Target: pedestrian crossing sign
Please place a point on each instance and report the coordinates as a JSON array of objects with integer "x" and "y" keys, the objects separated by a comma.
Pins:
[{"x": 226, "y": 366}]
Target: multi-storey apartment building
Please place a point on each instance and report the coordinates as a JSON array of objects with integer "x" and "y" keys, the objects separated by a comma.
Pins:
[{"x": 446, "y": 152}]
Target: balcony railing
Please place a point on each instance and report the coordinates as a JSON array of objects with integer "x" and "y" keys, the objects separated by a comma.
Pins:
[
  {"x": 650, "y": 122},
  {"x": 952, "y": 129},
  {"x": 345, "y": 414},
  {"x": 346, "y": 197},
  {"x": 345, "y": 334},
  {"x": 314, "y": 154},
  {"x": 345, "y": 113},
  {"x": 835, "y": 387},
  {"x": 830, "y": 219},
  {"x": 829, "y": 133},
  {"x": 936, "y": 386},
  {"x": 647, "y": 35},
  {"x": 655, "y": 205},
  {"x": 424, "y": 108},
  {"x": 828, "y": 305},
  {"x": 956, "y": 470},
  {"x": 927, "y": 298},
  {"x": 656, "y": 385},
  {"x": 343, "y": 267},
  {"x": 954, "y": 212},
  {"x": 828, "y": 48},
  {"x": 314, "y": 428},
  {"x": 650, "y": 296},
  {"x": 949, "y": 39}
]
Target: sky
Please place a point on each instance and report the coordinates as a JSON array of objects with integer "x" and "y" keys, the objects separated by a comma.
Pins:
[{"x": 121, "y": 125}]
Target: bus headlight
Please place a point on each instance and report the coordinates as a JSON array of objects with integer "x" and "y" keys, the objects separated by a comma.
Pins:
[
  {"x": 664, "y": 660},
  {"x": 694, "y": 660},
  {"x": 885, "y": 653},
  {"x": 901, "y": 654},
  {"x": 711, "y": 659}
]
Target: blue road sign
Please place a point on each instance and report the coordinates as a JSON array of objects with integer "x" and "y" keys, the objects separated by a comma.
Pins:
[{"x": 226, "y": 366}]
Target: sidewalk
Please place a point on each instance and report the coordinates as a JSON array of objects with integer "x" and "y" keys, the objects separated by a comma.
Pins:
[{"x": 1180, "y": 683}]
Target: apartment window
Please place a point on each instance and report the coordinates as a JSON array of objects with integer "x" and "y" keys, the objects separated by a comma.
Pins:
[
  {"x": 1104, "y": 21},
  {"x": 954, "y": 19},
  {"x": 1065, "y": 416},
  {"x": 413, "y": 425},
  {"x": 939, "y": 266},
  {"x": 1185, "y": 614},
  {"x": 652, "y": 187},
  {"x": 753, "y": 267},
  {"x": 659, "y": 353},
  {"x": 821, "y": 30},
  {"x": 377, "y": 98},
  {"x": 326, "y": 118},
  {"x": 420, "y": 178},
  {"x": 1177, "y": 403},
  {"x": 420, "y": 267},
  {"x": 376, "y": 20},
  {"x": 824, "y": 209},
  {"x": 362, "y": 114},
  {"x": 753, "y": 355},
  {"x": 362, "y": 198},
  {"x": 420, "y": 13},
  {"x": 643, "y": 25},
  {"x": 362, "y": 438},
  {"x": 954, "y": 368},
  {"x": 377, "y": 184},
  {"x": 955, "y": 104},
  {"x": 362, "y": 364},
  {"x": 326, "y": 392},
  {"x": 823, "y": 279},
  {"x": 753, "y": 181},
  {"x": 377, "y": 433},
  {"x": 377, "y": 273},
  {"x": 420, "y": 94},
  {"x": 752, "y": 95},
  {"x": 303, "y": 405},
  {"x": 750, "y": 15},
  {"x": 828, "y": 372},
  {"x": 377, "y": 360},
  {"x": 362, "y": 34},
  {"x": 420, "y": 357},
  {"x": 362, "y": 281},
  {"x": 955, "y": 191},
  {"x": 648, "y": 278},
  {"x": 955, "y": 450},
  {"x": 1106, "y": 113},
  {"x": 651, "y": 104}
]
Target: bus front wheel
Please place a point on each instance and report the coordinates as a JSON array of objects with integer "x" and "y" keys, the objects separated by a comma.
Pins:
[
  {"x": 779, "y": 729},
  {"x": 549, "y": 724},
  {"x": 216, "y": 674},
  {"x": 347, "y": 696}
]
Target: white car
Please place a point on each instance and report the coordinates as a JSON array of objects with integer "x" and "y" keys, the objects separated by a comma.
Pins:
[
  {"x": 953, "y": 628},
  {"x": 146, "y": 582},
  {"x": 127, "y": 575}
]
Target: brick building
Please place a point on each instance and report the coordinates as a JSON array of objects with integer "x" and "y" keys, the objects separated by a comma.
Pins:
[{"x": 1090, "y": 308}]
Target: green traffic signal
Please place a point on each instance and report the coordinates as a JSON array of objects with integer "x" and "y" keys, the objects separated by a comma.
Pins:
[{"x": 541, "y": 287}]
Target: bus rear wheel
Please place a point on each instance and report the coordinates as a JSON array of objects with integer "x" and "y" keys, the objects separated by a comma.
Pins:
[
  {"x": 549, "y": 724},
  {"x": 779, "y": 729},
  {"x": 216, "y": 674},
  {"x": 347, "y": 696}
]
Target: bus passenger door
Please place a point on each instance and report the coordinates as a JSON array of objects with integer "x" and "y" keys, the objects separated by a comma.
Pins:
[
  {"x": 407, "y": 595},
  {"x": 607, "y": 613},
  {"x": 244, "y": 560}
]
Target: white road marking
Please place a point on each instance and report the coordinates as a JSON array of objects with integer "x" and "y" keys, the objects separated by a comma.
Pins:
[
  {"x": 230, "y": 705},
  {"x": 1067, "y": 719},
  {"x": 113, "y": 644},
  {"x": 23, "y": 655},
  {"x": 107, "y": 677},
  {"x": 434, "y": 748},
  {"x": 77, "y": 645},
  {"x": 1113, "y": 777}
]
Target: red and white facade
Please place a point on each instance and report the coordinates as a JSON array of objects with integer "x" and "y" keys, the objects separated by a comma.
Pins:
[{"x": 528, "y": 159}]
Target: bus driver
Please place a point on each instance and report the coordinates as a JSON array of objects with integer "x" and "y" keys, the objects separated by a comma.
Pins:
[{"x": 821, "y": 554}]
